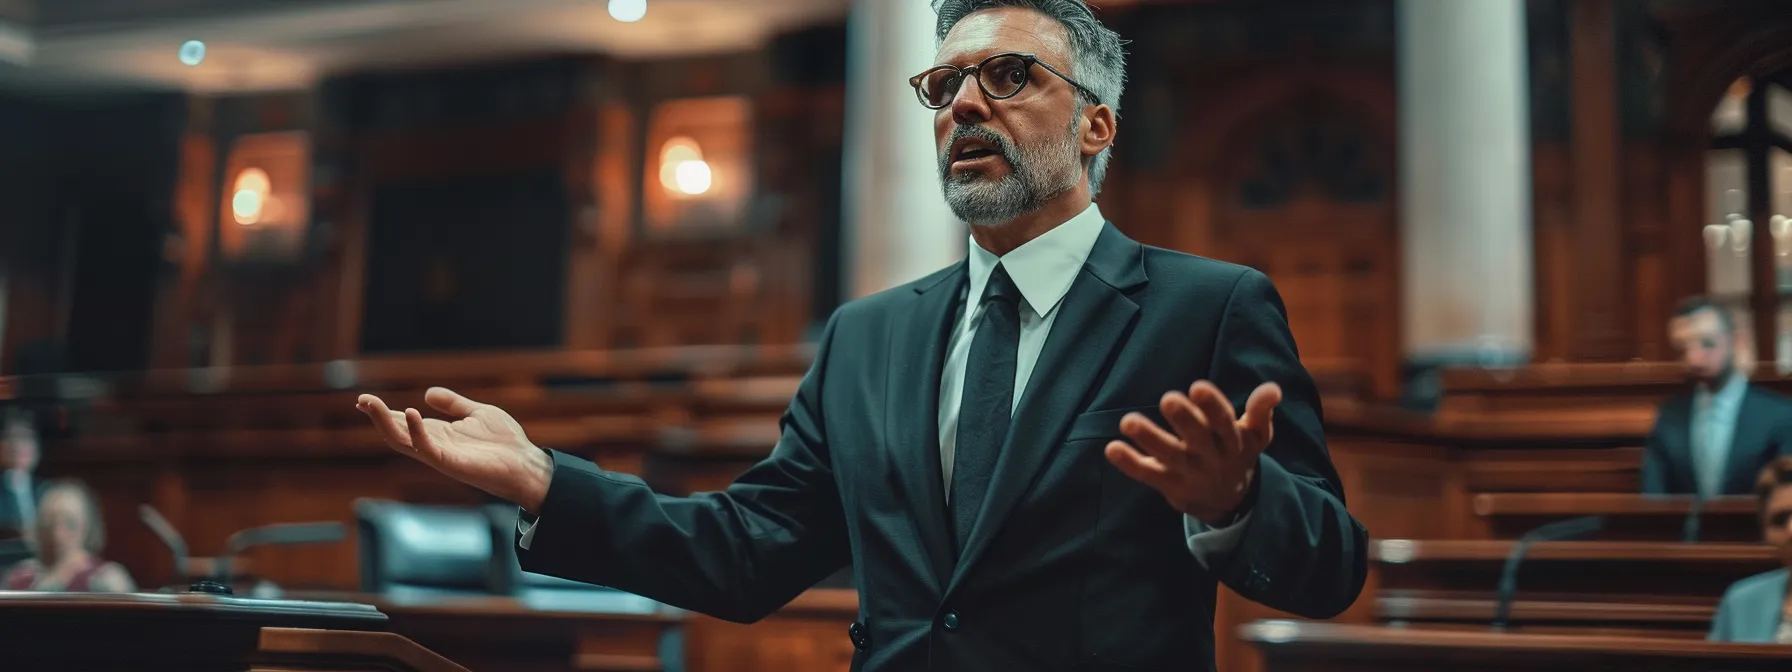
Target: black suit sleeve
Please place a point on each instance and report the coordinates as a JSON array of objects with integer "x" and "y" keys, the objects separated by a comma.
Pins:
[
  {"x": 1655, "y": 461},
  {"x": 1301, "y": 551},
  {"x": 738, "y": 554}
]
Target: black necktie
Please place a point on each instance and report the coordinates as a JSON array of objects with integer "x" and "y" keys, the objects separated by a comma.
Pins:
[{"x": 984, "y": 411}]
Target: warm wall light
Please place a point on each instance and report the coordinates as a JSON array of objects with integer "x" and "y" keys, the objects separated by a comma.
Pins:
[
  {"x": 264, "y": 205},
  {"x": 682, "y": 168},
  {"x": 693, "y": 177},
  {"x": 250, "y": 196},
  {"x": 700, "y": 149}
]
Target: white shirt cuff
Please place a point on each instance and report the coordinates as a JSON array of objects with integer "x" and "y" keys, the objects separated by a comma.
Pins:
[
  {"x": 526, "y": 528},
  {"x": 1209, "y": 544}
]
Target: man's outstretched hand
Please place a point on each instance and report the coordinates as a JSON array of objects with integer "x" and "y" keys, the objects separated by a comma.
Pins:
[
  {"x": 483, "y": 447},
  {"x": 1206, "y": 466}
]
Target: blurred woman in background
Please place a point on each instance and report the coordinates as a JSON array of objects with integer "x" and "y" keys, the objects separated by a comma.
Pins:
[
  {"x": 66, "y": 540},
  {"x": 1755, "y": 609}
]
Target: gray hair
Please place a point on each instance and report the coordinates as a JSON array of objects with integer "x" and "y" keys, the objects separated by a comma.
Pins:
[{"x": 1098, "y": 55}]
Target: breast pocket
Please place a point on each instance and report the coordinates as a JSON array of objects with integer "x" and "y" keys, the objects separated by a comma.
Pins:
[{"x": 1106, "y": 424}]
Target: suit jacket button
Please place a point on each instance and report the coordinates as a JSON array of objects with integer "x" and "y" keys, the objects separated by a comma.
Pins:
[
  {"x": 950, "y": 621},
  {"x": 861, "y": 639},
  {"x": 1258, "y": 580}
]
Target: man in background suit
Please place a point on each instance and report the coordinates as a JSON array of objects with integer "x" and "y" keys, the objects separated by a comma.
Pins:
[
  {"x": 1008, "y": 452},
  {"x": 18, "y": 463},
  {"x": 1714, "y": 440}
]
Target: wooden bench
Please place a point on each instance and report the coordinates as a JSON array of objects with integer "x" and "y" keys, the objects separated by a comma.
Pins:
[
  {"x": 1508, "y": 515},
  {"x": 1671, "y": 589},
  {"x": 1593, "y": 567},
  {"x": 1687, "y": 617}
]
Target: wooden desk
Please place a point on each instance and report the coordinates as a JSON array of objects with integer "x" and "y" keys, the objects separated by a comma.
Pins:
[
  {"x": 807, "y": 635},
  {"x": 1295, "y": 646},
  {"x": 503, "y": 634},
  {"x": 1631, "y": 517},
  {"x": 188, "y": 632}
]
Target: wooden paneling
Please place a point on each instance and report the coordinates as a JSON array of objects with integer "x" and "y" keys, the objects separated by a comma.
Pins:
[
  {"x": 1600, "y": 315},
  {"x": 585, "y": 120},
  {"x": 1333, "y": 256},
  {"x": 1619, "y": 211}
]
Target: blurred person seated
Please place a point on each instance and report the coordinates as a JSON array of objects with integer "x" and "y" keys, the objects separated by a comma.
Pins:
[
  {"x": 1756, "y": 609},
  {"x": 67, "y": 540},
  {"x": 18, "y": 484},
  {"x": 1713, "y": 440}
]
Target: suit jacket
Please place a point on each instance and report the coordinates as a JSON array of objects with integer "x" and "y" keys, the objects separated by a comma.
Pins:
[
  {"x": 1071, "y": 565},
  {"x": 1751, "y": 608},
  {"x": 1763, "y": 432},
  {"x": 12, "y": 522}
]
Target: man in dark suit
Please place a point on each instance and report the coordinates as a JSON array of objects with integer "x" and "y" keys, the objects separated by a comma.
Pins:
[
  {"x": 18, "y": 483},
  {"x": 1008, "y": 452},
  {"x": 1715, "y": 439}
]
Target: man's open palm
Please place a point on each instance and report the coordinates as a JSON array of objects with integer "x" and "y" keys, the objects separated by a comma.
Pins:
[
  {"x": 484, "y": 447},
  {"x": 1205, "y": 462}
]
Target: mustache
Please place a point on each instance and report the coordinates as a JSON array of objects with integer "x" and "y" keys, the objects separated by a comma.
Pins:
[{"x": 995, "y": 140}]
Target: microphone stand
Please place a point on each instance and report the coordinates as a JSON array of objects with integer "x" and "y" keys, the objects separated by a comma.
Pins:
[
  {"x": 1690, "y": 531},
  {"x": 1561, "y": 530},
  {"x": 278, "y": 534},
  {"x": 224, "y": 566}
]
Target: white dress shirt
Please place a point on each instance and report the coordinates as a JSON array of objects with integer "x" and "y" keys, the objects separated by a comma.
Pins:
[
  {"x": 1713, "y": 428},
  {"x": 1043, "y": 270}
]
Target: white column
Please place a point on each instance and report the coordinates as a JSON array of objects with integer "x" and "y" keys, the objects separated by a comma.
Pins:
[
  {"x": 1465, "y": 190},
  {"x": 896, "y": 226}
]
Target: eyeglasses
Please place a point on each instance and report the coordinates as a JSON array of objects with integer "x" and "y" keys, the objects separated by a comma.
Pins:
[{"x": 1001, "y": 77}]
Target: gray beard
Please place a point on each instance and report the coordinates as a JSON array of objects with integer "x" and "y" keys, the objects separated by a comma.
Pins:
[{"x": 1036, "y": 175}]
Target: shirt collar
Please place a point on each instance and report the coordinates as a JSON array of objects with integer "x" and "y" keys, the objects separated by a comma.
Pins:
[
  {"x": 1729, "y": 391},
  {"x": 1734, "y": 387},
  {"x": 1044, "y": 267}
]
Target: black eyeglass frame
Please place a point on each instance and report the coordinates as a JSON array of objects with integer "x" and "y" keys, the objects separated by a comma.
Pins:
[{"x": 975, "y": 73}]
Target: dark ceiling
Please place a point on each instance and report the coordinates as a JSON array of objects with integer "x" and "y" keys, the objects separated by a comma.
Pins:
[{"x": 58, "y": 13}]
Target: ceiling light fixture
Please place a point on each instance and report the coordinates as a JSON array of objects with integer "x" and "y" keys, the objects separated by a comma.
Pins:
[
  {"x": 628, "y": 11},
  {"x": 192, "y": 52}
]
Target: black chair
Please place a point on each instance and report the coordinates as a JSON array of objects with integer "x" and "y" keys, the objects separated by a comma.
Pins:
[
  {"x": 550, "y": 593},
  {"x": 413, "y": 551}
]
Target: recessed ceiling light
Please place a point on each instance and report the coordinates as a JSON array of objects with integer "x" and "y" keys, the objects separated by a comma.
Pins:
[
  {"x": 628, "y": 11},
  {"x": 192, "y": 52}
]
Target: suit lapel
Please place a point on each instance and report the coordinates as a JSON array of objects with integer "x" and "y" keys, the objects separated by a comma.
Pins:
[
  {"x": 912, "y": 405},
  {"x": 1094, "y": 320},
  {"x": 1680, "y": 467}
]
